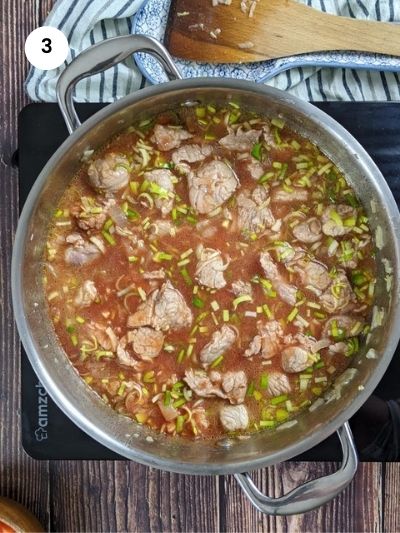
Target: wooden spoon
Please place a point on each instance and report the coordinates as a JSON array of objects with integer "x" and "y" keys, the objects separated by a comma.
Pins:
[{"x": 279, "y": 28}]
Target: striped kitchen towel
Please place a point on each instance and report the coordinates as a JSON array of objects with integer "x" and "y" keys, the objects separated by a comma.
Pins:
[{"x": 85, "y": 22}]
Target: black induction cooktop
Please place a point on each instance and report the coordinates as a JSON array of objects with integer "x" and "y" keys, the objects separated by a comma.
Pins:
[{"x": 46, "y": 432}]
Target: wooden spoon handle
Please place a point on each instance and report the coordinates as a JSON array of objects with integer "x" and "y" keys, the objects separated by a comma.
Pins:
[{"x": 313, "y": 31}]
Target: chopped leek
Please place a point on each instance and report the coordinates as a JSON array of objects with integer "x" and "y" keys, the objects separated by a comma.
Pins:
[
  {"x": 358, "y": 278},
  {"x": 267, "y": 311},
  {"x": 186, "y": 276},
  {"x": 214, "y": 305},
  {"x": 281, "y": 415},
  {"x": 186, "y": 254},
  {"x": 250, "y": 389},
  {"x": 264, "y": 381},
  {"x": 265, "y": 177},
  {"x": 257, "y": 395},
  {"x": 278, "y": 122},
  {"x": 109, "y": 238},
  {"x": 279, "y": 399},
  {"x": 200, "y": 112},
  {"x": 334, "y": 215},
  {"x": 141, "y": 417},
  {"x": 198, "y": 302},
  {"x": 180, "y": 421},
  {"x": 179, "y": 403},
  {"x": 162, "y": 256},
  {"x": 148, "y": 377},
  {"x": 292, "y": 315},
  {"x": 241, "y": 299},
  {"x": 217, "y": 361},
  {"x": 256, "y": 151},
  {"x": 267, "y": 424},
  {"x": 108, "y": 224},
  {"x": 167, "y": 398},
  {"x": 132, "y": 214},
  {"x": 181, "y": 356},
  {"x": 316, "y": 390},
  {"x": 74, "y": 339}
]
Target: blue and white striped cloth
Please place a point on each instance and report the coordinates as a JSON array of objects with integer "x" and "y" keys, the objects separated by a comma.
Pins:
[{"x": 85, "y": 22}]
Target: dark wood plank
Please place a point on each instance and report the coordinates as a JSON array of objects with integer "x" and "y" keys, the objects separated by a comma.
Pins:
[
  {"x": 21, "y": 478},
  {"x": 391, "y": 507},
  {"x": 124, "y": 496},
  {"x": 356, "y": 509}
]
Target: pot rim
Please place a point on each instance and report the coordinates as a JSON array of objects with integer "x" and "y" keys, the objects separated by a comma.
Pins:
[{"x": 43, "y": 370}]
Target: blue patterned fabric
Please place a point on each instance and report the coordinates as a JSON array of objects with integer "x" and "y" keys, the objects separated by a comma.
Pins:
[{"x": 86, "y": 22}]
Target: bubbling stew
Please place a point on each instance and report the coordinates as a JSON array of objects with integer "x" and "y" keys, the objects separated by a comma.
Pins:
[{"x": 209, "y": 272}]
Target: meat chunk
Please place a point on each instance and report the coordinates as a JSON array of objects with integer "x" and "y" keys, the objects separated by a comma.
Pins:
[
  {"x": 254, "y": 214},
  {"x": 206, "y": 228},
  {"x": 288, "y": 254},
  {"x": 339, "y": 295},
  {"x": 286, "y": 291},
  {"x": 234, "y": 417},
  {"x": 92, "y": 222},
  {"x": 160, "y": 228},
  {"x": 295, "y": 359},
  {"x": 81, "y": 252},
  {"x": 268, "y": 136},
  {"x": 203, "y": 385},
  {"x": 165, "y": 309},
  {"x": 169, "y": 137},
  {"x": 268, "y": 265},
  {"x": 144, "y": 314},
  {"x": 109, "y": 174},
  {"x": 90, "y": 215},
  {"x": 221, "y": 341},
  {"x": 278, "y": 383},
  {"x": 254, "y": 168},
  {"x": 234, "y": 384},
  {"x": 147, "y": 343},
  {"x": 282, "y": 196},
  {"x": 254, "y": 347},
  {"x": 342, "y": 326},
  {"x": 123, "y": 355},
  {"x": 211, "y": 185},
  {"x": 240, "y": 141},
  {"x": 268, "y": 341},
  {"x": 210, "y": 268},
  {"x": 313, "y": 274},
  {"x": 333, "y": 219},
  {"x": 86, "y": 294},
  {"x": 165, "y": 195},
  {"x": 240, "y": 288},
  {"x": 231, "y": 385},
  {"x": 307, "y": 342},
  {"x": 309, "y": 231},
  {"x": 191, "y": 153}
]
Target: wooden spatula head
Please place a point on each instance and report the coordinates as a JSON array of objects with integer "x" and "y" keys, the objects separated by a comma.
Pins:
[{"x": 277, "y": 28}]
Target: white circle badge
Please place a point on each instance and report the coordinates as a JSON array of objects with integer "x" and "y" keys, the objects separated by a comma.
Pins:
[{"x": 46, "y": 48}]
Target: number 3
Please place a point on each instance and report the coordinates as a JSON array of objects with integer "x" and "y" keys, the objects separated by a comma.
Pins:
[{"x": 47, "y": 45}]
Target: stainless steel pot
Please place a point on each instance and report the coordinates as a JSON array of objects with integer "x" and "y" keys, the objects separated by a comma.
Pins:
[{"x": 123, "y": 435}]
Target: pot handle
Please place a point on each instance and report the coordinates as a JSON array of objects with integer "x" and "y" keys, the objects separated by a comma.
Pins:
[
  {"x": 100, "y": 57},
  {"x": 313, "y": 493}
]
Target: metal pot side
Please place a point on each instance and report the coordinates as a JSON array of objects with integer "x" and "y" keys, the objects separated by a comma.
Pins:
[{"x": 120, "y": 433}]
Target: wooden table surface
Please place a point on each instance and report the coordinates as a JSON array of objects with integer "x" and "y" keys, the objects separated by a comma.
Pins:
[{"x": 124, "y": 496}]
